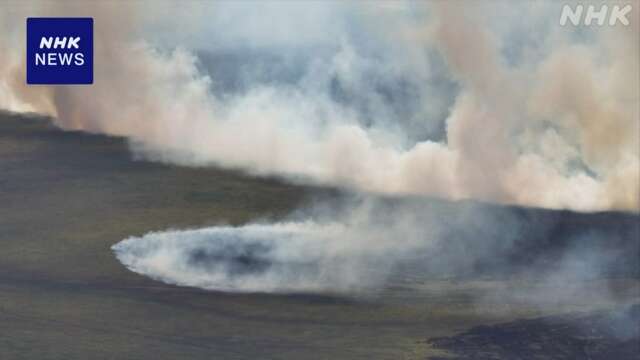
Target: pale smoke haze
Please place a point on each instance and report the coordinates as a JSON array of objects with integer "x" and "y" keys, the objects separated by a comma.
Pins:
[{"x": 556, "y": 129}]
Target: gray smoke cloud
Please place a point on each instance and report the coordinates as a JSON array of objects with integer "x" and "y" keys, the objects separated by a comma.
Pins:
[{"x": 402, "y": 98}]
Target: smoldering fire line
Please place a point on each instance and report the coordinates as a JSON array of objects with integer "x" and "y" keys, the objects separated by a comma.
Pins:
[
  {"x": 291, "y": 257},
  {"x": 360, "y": 248}
]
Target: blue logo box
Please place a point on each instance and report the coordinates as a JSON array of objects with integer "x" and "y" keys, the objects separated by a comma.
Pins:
[{"x": 59, "y": 50}]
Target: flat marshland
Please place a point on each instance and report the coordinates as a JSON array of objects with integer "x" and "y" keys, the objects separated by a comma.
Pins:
[{"x": 67, "y": 197}]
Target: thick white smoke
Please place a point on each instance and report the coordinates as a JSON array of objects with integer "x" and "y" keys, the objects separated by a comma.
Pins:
[{"x": 547, "y": 119}]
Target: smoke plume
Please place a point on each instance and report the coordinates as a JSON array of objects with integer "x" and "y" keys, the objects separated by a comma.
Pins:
[{"x": 404, "y": 98}]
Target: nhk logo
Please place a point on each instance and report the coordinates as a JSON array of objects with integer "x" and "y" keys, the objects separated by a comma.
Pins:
[
  {"x": 59, "y": 51},
  {"x": 615, "y": 14},
  {"x": 58, "y": 58}
]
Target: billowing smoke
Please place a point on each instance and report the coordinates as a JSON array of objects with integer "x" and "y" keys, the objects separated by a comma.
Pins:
[
  {"x": 459, "y": 100},
  {"x": 453, "y": 100}
]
